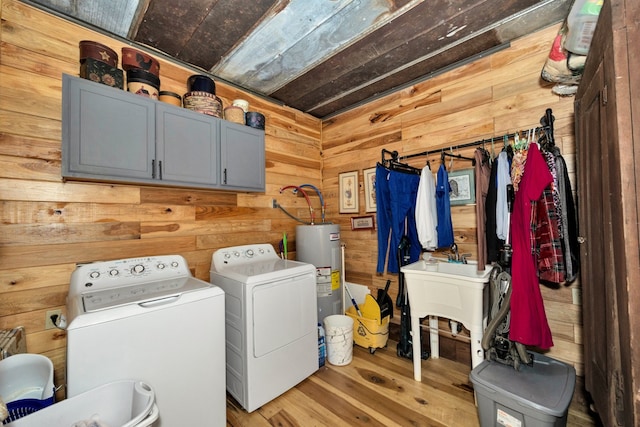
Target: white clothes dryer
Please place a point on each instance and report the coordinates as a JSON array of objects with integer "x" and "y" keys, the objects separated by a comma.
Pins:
[
  {"x": 271, "y": 321},
  {"x": 149, "y": 319}
]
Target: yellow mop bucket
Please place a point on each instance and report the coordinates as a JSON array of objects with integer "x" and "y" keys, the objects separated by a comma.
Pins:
[{"x": 369, "y": 331}]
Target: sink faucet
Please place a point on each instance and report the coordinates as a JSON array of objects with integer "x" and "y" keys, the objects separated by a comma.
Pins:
[{"x": 454, "y": 255}]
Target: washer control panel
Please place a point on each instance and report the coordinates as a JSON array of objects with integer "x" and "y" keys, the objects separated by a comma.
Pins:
[
  {"x": 126, "y": 272},
  {"x": 111, "y": 297},
  {"x": 243, "y": 255}
]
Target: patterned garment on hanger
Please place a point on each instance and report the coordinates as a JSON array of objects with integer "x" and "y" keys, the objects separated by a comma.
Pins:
[
  {"x": 517, "y": 167},
  {"x": 546, "y": 239},
  {"x": 550, "y": 158}
]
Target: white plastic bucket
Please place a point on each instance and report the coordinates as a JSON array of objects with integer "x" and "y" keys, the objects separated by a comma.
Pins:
[
  {"x": 26, "y": 376},
  {"x": 338, "y": 331}
]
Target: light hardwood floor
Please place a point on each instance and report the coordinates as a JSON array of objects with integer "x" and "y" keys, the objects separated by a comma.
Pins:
[{"x": 378, "y": 390}]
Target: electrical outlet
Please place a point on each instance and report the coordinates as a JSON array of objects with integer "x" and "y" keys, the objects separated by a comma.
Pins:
[
  {"x": 576, "y": 294},
  {"x": 274, "y": 204},
  {"x": 48, "y": 324}
]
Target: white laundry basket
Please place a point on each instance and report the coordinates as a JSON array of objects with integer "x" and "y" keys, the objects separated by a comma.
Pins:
[
  {"x": 26, "y": 383},
  {"x": 125, "y": 403}
]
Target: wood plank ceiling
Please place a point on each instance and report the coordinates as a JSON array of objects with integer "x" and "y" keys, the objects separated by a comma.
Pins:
[{"x": 318, "y": 56}]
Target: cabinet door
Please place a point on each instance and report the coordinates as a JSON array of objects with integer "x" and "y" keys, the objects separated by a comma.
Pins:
[
  {"x": 106, "y": 132},
  {"x": 242, "y": 157},
  {"x": 188, "y": 146}
]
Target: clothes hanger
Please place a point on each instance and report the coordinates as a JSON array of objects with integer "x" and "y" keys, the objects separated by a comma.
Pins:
[
  {"x": 547, "y": 139},
  {"x": 456, "y": 156},
  {"x": 508, "y": 148},
  {"x": 398, "y": 166},
  {"x": 486, "y": 157}
]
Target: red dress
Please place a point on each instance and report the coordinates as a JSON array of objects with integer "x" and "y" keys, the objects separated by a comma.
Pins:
[{"x": 529, "y": 324}]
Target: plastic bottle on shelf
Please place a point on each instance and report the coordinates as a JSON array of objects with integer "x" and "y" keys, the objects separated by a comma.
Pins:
[
  {"x": 581, "y": 23},
  {"x": 322, "y": 347}
]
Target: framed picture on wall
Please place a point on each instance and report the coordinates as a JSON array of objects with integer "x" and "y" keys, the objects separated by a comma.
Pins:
[
  {"x": 362, "y": 222},
  {"x": 348, "y": 183},
  {"x": 463, "y": 187},
  {"x": 370, "y": 190}
]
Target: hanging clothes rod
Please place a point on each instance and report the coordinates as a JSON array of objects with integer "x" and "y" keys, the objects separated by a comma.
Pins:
[
  {"x": 461, "y": 146},
  {"x": 456, "y": 156}
]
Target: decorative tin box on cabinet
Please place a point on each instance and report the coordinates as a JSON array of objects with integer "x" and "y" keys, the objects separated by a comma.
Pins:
[{"x": 101, "y": 72}]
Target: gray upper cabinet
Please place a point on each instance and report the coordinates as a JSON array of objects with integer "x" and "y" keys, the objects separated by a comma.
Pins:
[
  {"x": 187, "y": 146},
  {"x": 243, "y": 157},
  {"x": 106, "y": 134},
  {"x": 112, "y": 135}
]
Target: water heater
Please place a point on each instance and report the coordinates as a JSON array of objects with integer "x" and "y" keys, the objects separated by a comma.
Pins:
[{"x": 320, "y": 245}]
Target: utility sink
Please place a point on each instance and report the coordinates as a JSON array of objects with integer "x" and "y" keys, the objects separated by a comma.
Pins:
[
  {"x": 467, "y": 271},
  {"x": 454, "y": 291}
]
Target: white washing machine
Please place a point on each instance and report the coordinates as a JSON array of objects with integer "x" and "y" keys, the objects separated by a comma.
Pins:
[
  {"x": 149, "y": 319},
  {"x": 271, "y": 321}
]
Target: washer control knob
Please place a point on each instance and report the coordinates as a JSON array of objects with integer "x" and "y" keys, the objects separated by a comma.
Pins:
[
  {"x": 161, "y": 266},
  {"x": 174, "y": 264},
  {"x": 137, "y": 269},
  {"x": 227, "y": 255},
  {"x": 94, "y": 274},
  {"x": 249, "y": 253},
  {"x": 236, "y": 254},
  {"x": 261, "y": 251},
  {"x": 113, "y": 273}
]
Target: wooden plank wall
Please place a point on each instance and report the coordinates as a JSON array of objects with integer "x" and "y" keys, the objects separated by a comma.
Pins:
[
  {"x": 48, "y": 226},
  {"x": 493, "y": 96}
]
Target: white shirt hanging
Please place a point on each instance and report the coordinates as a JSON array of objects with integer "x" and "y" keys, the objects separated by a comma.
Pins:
[
  {"x": 426, "y": 212},
  {"x": 502, "y": 213}
]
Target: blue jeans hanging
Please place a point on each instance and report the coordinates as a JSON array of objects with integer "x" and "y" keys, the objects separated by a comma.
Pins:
[{"x": 396, "y": 202}]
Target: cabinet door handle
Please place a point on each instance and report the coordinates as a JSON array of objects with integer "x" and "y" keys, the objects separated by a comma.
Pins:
[
  {"x": 225, "y": 175},
  {"x": 160, "y": 168},
  {"x": 153, "y": 169}
]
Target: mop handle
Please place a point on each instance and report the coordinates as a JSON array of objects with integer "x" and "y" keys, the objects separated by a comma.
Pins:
[{"x": 353, "y": 301}]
